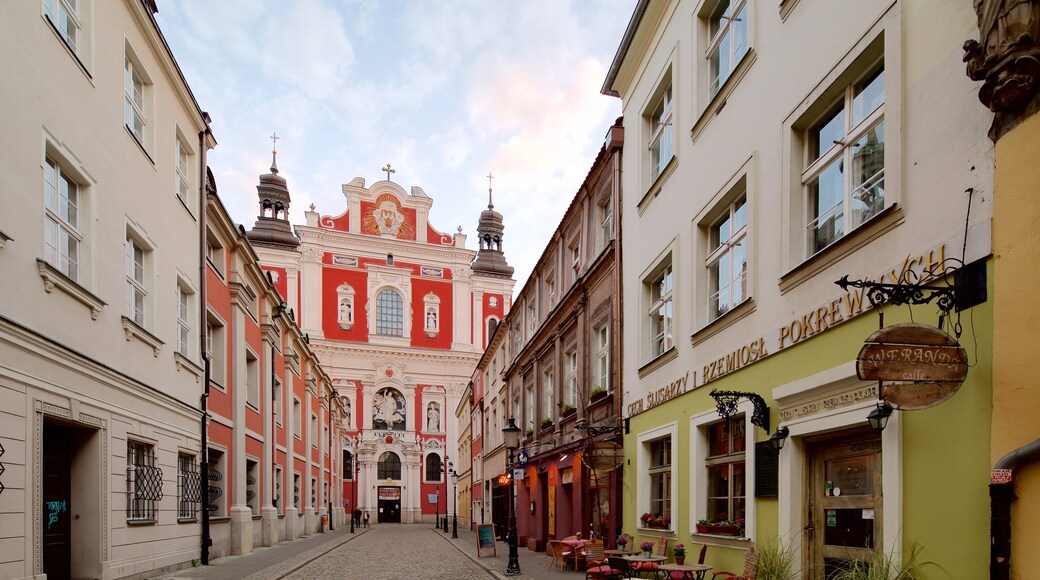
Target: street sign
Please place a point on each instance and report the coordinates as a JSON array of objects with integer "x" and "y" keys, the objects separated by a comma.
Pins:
[
  {"x": 919, "y": 366},
  {"x": 518, "y": 474},
  {"x": 522, "y": 457}
]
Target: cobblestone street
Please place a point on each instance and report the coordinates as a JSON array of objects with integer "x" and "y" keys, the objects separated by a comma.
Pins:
[{"x": 395, "y": 551}]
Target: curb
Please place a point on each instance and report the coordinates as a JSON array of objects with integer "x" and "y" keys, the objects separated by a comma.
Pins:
[
  {"x": 324, "y": 551},
  {"x": 477, "y": 561}
]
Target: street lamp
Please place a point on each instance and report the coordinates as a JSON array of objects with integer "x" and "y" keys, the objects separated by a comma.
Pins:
[
  {"x": 437, "y": 510},
  {"x": 447, "y": 468},
  {"x": 455, "y": 514},
  {"x": 511, "y": 440}
]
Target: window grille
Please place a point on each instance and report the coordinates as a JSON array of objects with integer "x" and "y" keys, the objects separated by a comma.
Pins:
[
  {"x": 389, "y": 466},
  {"x": 143, "y": 482},
  {"x": 189, "y": 494},
  {"x": 389, "y": 313}
]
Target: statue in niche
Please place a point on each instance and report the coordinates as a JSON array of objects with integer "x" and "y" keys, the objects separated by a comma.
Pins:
[
  {"x": 388, "y": 410},
  {"x": 346, "y": 414},
  {"x": 433, "y": 417}
]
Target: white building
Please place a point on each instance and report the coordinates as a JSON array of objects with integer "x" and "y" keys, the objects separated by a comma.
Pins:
[{"x": 100, "y": 367}]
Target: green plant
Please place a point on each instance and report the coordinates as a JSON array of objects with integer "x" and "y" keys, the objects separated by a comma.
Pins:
[
  {"x": 598, "y": 392},
  {"x": 529, "y": 432},
  {"x": 546, "y": 422},
  {"x": 776, "y": 561},
  {"x": 882, "y": 565},
  {"x": 566, "y": 408},
  {"x": 679, "y": 550}
]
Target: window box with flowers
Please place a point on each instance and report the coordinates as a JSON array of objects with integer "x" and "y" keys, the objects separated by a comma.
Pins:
[
  {"x": 721, "y": 527},
  {"x": 598, "y": 393},
  {"x": 656, "y": 521}
]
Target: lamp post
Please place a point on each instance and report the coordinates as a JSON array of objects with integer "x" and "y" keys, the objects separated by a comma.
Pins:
[
  {"x": 511, "y": 440},
  {"x": 455, "y": 512},
  {"x": 437, "y": 510},
  {"x": 447, "y": 468}
]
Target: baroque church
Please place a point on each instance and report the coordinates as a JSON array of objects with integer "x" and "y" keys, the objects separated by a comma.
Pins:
[{"x": 399, "y": 313}]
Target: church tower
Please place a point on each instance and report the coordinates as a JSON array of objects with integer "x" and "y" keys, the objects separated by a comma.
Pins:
[
  {"x": 272, "y": 227},
  {"x": 491, "y": 261}
]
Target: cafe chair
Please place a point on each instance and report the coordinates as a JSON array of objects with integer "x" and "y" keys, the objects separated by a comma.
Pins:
[
  {"x": 651, "y": 569},
  {"x": 557, "y": 551},
  {"x": 596, "y": 563},
  {"x": 750, "y": 568}
]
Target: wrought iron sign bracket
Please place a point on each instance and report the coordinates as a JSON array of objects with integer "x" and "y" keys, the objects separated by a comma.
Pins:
[
  {"x": 594, "y": 431},
  {"x": 726, "y": 404}
]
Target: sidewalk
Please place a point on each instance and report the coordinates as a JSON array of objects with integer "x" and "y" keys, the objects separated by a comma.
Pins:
[
  {"x": 533, "y": 565},
  {"x": 272, "y": 562}
]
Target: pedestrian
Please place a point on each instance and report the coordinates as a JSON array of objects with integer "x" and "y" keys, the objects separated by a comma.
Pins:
[
  {"x": 366, "y": 519},
  {"x": 357, "y": 517}
]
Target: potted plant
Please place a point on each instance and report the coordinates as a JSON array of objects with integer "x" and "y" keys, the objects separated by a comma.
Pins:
[
  {"x": 567, "y": 409},
  {"x": 529, "y": 432},
  {"x": 546, "y": 422},
  {"x": 598, "y": 393},
  {"x": 776, "y": 561},
  {"x": 703, "y": 526},
  {"x": 679, "y": 551},
  {"x": 647, "y": 548},
  {"x": 656, "y": 521},
  {"x": 622, "y": 543}
]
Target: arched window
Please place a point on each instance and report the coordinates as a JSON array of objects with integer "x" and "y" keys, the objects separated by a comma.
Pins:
[
  {"x": 389, "y": 314},
  {"x": 433, "y": 467},
  {"x": 348, "y": 465},
  {"x": 389, "y": 466},
  {"x": 492, "y": 327}
]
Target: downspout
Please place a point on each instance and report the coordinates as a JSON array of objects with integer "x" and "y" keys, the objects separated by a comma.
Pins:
[
  {"x": 207, "y": 541},
  {"x": 1001, "y": 495}
]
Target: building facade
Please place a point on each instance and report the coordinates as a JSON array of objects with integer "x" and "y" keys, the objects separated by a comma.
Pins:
[
  {"x": 783, "y": 146},
  {"x": 562, "y": 370},
  {"x": 99, "y": 347},
  {"x": 1015, "y": 439},
  {"x": 398, "y": 312}
]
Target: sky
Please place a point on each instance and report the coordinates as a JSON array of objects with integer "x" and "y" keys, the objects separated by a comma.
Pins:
[{"x": 446, "y": 91}]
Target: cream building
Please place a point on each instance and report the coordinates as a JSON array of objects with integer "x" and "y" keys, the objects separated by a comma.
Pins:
[
  {"x": 100, "y": 366},
  {"x": 772, "y": 148}
]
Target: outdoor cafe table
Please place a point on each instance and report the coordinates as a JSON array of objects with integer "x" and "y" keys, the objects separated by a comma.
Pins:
[
  {"x": 642, "y": 558},
  {"x": 619, "y": 552},
  {"x": 690, "y": 571},
  {"x": 577, "y": 545}
]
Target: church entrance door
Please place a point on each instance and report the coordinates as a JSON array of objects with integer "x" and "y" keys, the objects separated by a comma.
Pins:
[{"x": 389, "y": 504}]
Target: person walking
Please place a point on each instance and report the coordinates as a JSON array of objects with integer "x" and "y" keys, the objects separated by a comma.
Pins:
[
  {"x": 366, "y": 519},
  {"x": 357, "y": 517}
]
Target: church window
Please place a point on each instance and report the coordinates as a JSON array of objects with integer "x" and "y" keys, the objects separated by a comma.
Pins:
[
  {"x": 389, "y": 466},
  {"x": 389, "y": 313},
  {"x": 433, "y": 467}
]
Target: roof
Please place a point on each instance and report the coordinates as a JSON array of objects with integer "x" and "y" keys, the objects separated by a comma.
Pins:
[{"x": 622, "y": 51}]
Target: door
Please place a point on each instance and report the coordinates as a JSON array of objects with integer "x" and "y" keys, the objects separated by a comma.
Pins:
[
  {"x": 843, "y": 510},
  {"x": 389, "y": 505},
  {"x": 56, "y": 496}
]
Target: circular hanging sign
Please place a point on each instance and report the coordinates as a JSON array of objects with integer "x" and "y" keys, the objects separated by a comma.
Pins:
[
  {"x": 603, "y": 455},
  {"x": 522, "y": 457},
  {"x": 919, "y": 366}
]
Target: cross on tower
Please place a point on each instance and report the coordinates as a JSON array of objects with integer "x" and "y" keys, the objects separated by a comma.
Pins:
[
  {"x": 388, "y": 171},
  {"x": 490, "y": 177},
  {"x": 274, "y": 141}
]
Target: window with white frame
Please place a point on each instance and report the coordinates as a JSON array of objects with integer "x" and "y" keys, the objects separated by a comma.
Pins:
[
  {"x": 657, "y": 453},
  {"x": 575, "y": 258},
  {"x": 345, "y": 313},
  {"x": 314, "y": 430},
  {"x": 433, "y": 467},
  {"x": 844, "y": 176},
  {"x": 601, "y": 366},
  {"x": 570, "y": 394},
  {"x": 529, "y": 405},
  {"x": 276, "y": 396},
  {"x": 550, "y": 284},
  {"x": 728, "y": 34},
  {"x": 661, "y": 141},
  {"x": 67, "y": 20},
  {"x": 606, "y": 220},
  {"x": 215, "y": 252},
  {"x": 62, "y": 235},
  {"x": 659, "y": 287},
  {"x": 135, "y": 96},
  {"x": 727, "y": 259},
  {"x": 136, "y": 280},
  {"x": 297, "y": 418},
  {"x": 182, "y": 181},
  {"x": 725, "y": 465},
  {"x": 252, "y": 379},
  {"x": 216, "y": 348},
  {"x": 548, "y": 397},
  {"x": 143, "y": 482},
  {"x": 389, "y": 313},
  {"x": 532, "y": 321},
  {"x": 185, "y": 314}
]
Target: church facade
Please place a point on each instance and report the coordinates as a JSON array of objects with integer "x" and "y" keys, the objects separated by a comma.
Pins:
[{"x": 399, "y": 313}]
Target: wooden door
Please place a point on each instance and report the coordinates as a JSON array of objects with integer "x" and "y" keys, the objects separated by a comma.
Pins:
[
  {"x": 843, "y": 507},
  {"x": 57, "y": 500}
]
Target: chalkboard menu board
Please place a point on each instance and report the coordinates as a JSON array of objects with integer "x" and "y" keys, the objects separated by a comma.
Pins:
[
  {"x": 767, "y": 470},
  {"x": 486, "y": 540}
]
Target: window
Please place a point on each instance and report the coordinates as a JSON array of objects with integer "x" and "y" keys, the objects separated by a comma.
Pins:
[
  {"x": 297, "y": 482},
  {"x": 348, "y": 465},
  {"x": 314, "y": 493},
  {"x": 570, "y": 395},
  {"x": 660, "y": 311},
  {"x": 63, "y": 15},
  {"x": 276, "y": 397},
  {"x": 660, "y": 470},
  {"x": 345, "y": 315},
  {"x": 725, "y": 466},
  {"x": 216, "y": 348},
  {"x": 182, "y": 184},
  {"x": 143, "y": 482},
  {"x": 277, "y": 486},
  {"x": 728, "y": 31},
  {"x": 547, "y": 394},
  {"x": 297, "y": 418},
  {"x": 252, "y": 483},
  {"x": 135, "y": 85},
  {"x": 727, "y": 259},
  {"x": 136, "y": 289},
  {"x": 661, "y": 141},
  {"x": 189, "y": 487},
  {"x": 532, "y": 321},
  {"x": 62, "y": 237},
  {"x": 550, "y": 284},
  {"x": 389, "y": 466},
  {"x": 529, "y": 403},
  {"x": 252, "y": 380},
  {"x": 606, "y": 221},
  {"x": 215, "y": 252},
  {"x": 389, "y": 314},
  {"x": 314, "y": 430},
  {"x": 217, "y": 467},
  {"x": 601, "y": 367},
  {"x": 844, "y": 178},
  {"x": 184, "y": 318},
  {"x": 433, "y": 467},
  {"x": 576, "y": 259}
]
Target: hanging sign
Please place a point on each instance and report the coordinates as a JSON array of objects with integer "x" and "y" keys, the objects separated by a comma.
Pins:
[
  {"x": 522, "y": 457},
  {"x": 603, "y": 455},
  {"x": 919, "y": 366}
]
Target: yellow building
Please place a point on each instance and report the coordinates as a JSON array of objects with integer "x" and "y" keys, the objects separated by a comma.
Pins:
[{"x": 1016, "y": 249}]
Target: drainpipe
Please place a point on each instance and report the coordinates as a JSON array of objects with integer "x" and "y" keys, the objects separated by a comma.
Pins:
[
  {"x": 1000, "y": 497},
  {"x": 204, "y": 136}
]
